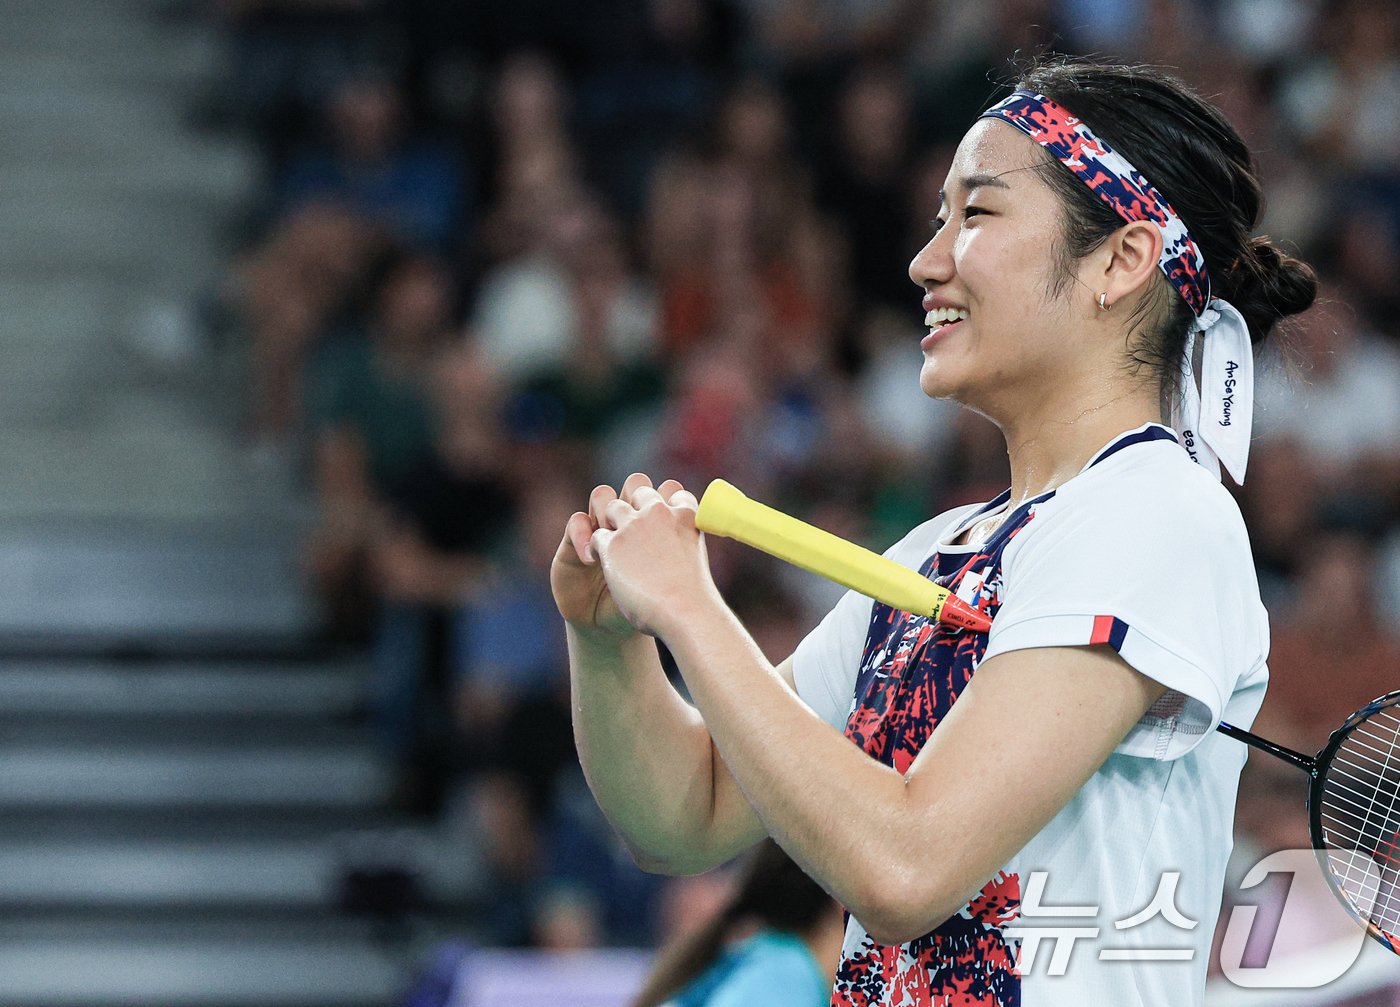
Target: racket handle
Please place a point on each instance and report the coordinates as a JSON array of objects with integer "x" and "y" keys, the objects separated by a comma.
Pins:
[{"x": 726, "y": 512}]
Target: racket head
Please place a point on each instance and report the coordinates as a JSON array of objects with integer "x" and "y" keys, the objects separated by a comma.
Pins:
[{"x": 1354, "y": 816}]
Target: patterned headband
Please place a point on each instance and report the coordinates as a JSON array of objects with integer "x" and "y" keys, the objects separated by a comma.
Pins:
[{"x": 1117, "y": 183}]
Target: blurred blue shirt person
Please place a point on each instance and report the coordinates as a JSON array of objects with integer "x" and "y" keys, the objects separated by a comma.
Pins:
[{"x": 776, "y": 942}]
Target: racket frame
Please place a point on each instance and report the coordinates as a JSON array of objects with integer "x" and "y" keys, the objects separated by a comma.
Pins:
[
  {"x": 1321, "y": 764},
  {"x": 1316, "y": 767}
]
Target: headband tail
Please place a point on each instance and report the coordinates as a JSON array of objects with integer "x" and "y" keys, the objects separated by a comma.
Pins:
[
  {"x": 1227, "y": 388},
  {"x": 1186, "y": 413}
]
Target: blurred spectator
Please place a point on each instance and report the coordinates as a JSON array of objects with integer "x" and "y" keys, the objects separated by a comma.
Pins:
[
  {"x": 776, "y": 941},
  {"x": 771, "y": 612},
  {"x": 689, "y": 902},
  {"x": 288, "y": 290},
  {"x": 511, "y": 686},
  {"x": 373, "y": 424},
  {"x": 584, "y": 854},
  {"x": 643, "y": 72},
  {"x": 712, "y": 418},
  {"x": 1344, "y": 413},
  {"x": 742, "y": 258},
  {"x": 1342, "y": 99},
  {"x": 286, "y": 58},
  {"x": 1281, "y": 504},
  {"x": 573, "y": 298},
  {"x": 513, "y": 850},
  {"x": 534, "y": 166},
  {"x": 735, "y": 239},
  {"x": 863, "y": 182},
  {"x": 494, "y": 664},
  {"x": 446, "y": 516},
  {"x": 1331, "y": 654},
  {"x": 567, "y": 920},
  {"x": 1364, "y": 237},
  {"x": 412, "y": 190}
]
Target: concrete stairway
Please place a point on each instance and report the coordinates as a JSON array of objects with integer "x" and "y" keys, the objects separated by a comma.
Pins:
[
  {"x": 175, "y": 832},
  {"x": 115, "y": 214}
]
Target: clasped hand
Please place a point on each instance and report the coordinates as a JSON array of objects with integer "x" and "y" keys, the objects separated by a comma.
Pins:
[{"x": 633, "y": 560}]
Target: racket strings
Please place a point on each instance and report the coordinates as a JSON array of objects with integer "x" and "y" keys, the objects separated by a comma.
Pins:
[{"x": 1360, "y": 815}]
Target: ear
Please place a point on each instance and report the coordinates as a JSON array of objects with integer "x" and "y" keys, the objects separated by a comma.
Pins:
[{"x": 1128, "y": 260}]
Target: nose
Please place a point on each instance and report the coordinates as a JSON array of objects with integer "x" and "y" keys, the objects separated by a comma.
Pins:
[{"x": 934, "y": 262}]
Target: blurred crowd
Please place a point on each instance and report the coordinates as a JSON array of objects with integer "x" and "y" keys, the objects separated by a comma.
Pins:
[{"x": 508, "y": 250}]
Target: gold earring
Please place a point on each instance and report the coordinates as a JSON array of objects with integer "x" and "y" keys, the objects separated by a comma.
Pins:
[{"x": 1103, "y": 302}]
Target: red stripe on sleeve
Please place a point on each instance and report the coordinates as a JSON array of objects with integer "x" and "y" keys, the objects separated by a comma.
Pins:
[{"x": 1103, "y": 628}]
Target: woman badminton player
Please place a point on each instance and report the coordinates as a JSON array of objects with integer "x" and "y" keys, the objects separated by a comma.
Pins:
[{"x": 1059, "y": 775}]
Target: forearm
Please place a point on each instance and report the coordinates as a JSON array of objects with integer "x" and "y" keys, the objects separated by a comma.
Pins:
[
  {"x": 646, "y": 753},
  {"x": 845, "y": 817}
]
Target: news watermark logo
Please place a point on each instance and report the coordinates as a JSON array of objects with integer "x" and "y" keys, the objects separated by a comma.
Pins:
[{"x": 1296, "y": 909}]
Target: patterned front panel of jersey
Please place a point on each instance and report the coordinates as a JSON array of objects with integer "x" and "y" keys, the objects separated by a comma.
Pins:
[{"x": 911, "y": 672}]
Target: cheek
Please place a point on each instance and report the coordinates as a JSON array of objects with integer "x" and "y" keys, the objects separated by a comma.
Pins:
[{"x": 1009, "y": 276}]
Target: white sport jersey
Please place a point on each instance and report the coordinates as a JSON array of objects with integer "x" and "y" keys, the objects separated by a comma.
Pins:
[{"x": 1142, "y": 551}]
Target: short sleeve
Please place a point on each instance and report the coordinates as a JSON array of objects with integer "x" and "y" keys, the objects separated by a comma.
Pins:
[
  {"x": 1162, "y": 573},
  {"x": 825, "y": 664},
  {"x": 827, "y": 661}
]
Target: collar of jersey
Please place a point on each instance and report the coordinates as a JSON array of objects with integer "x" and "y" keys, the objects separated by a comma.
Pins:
[
  {"x": 1144, "y": 433},
  {"x": 1140, "y": 435}
]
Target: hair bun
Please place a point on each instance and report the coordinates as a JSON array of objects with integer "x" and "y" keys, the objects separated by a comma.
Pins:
[{"x": 1267, "y": 285}]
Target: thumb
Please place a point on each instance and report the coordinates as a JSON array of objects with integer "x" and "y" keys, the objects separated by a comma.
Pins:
[{"x": 600, "y": 541}]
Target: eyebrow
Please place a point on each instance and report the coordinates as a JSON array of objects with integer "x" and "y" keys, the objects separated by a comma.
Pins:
[{"x": 971, "y": 182}]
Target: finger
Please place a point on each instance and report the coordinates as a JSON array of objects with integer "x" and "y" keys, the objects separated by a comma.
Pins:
[
  {"x": 685, "y": 500},
  {"x": 635, "y": 481},
  {"x": 598, "y": 501},
  {"x": 669, "y": 488},
  {"x": 601, "y": 540},
  {"x": 577, "y": 532},
  {"x": 644, "y": 495},
  {"x": 617, "y": 512}
]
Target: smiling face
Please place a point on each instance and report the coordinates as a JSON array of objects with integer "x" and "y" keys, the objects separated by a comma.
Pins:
[{"x": 993, "y": 260}]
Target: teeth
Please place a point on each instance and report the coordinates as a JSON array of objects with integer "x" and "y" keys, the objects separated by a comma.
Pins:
[{"x": 942, "y": 316}]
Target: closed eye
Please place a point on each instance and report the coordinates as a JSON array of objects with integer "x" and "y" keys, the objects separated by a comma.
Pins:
[{"x": 936, "y": 224}]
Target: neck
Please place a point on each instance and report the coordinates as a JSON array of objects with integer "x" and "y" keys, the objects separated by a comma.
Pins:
[{"x": 1050, "y": 445}]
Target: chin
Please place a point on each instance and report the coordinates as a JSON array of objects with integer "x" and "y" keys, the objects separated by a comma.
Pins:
[{"x": 938, "y": 381}]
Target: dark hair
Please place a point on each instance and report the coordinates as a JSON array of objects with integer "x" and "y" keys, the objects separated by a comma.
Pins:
[
  {"x": 771, "y": 891},
  {"x": 1189, "y": 151}
]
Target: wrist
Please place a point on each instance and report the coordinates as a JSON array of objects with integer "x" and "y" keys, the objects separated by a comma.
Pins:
[
  {"x": 692, "y": 625},
  {"x": 592, "y": 640}
]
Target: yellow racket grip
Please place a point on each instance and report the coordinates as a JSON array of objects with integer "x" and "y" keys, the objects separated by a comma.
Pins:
[{"x": 728, "y": 513}]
